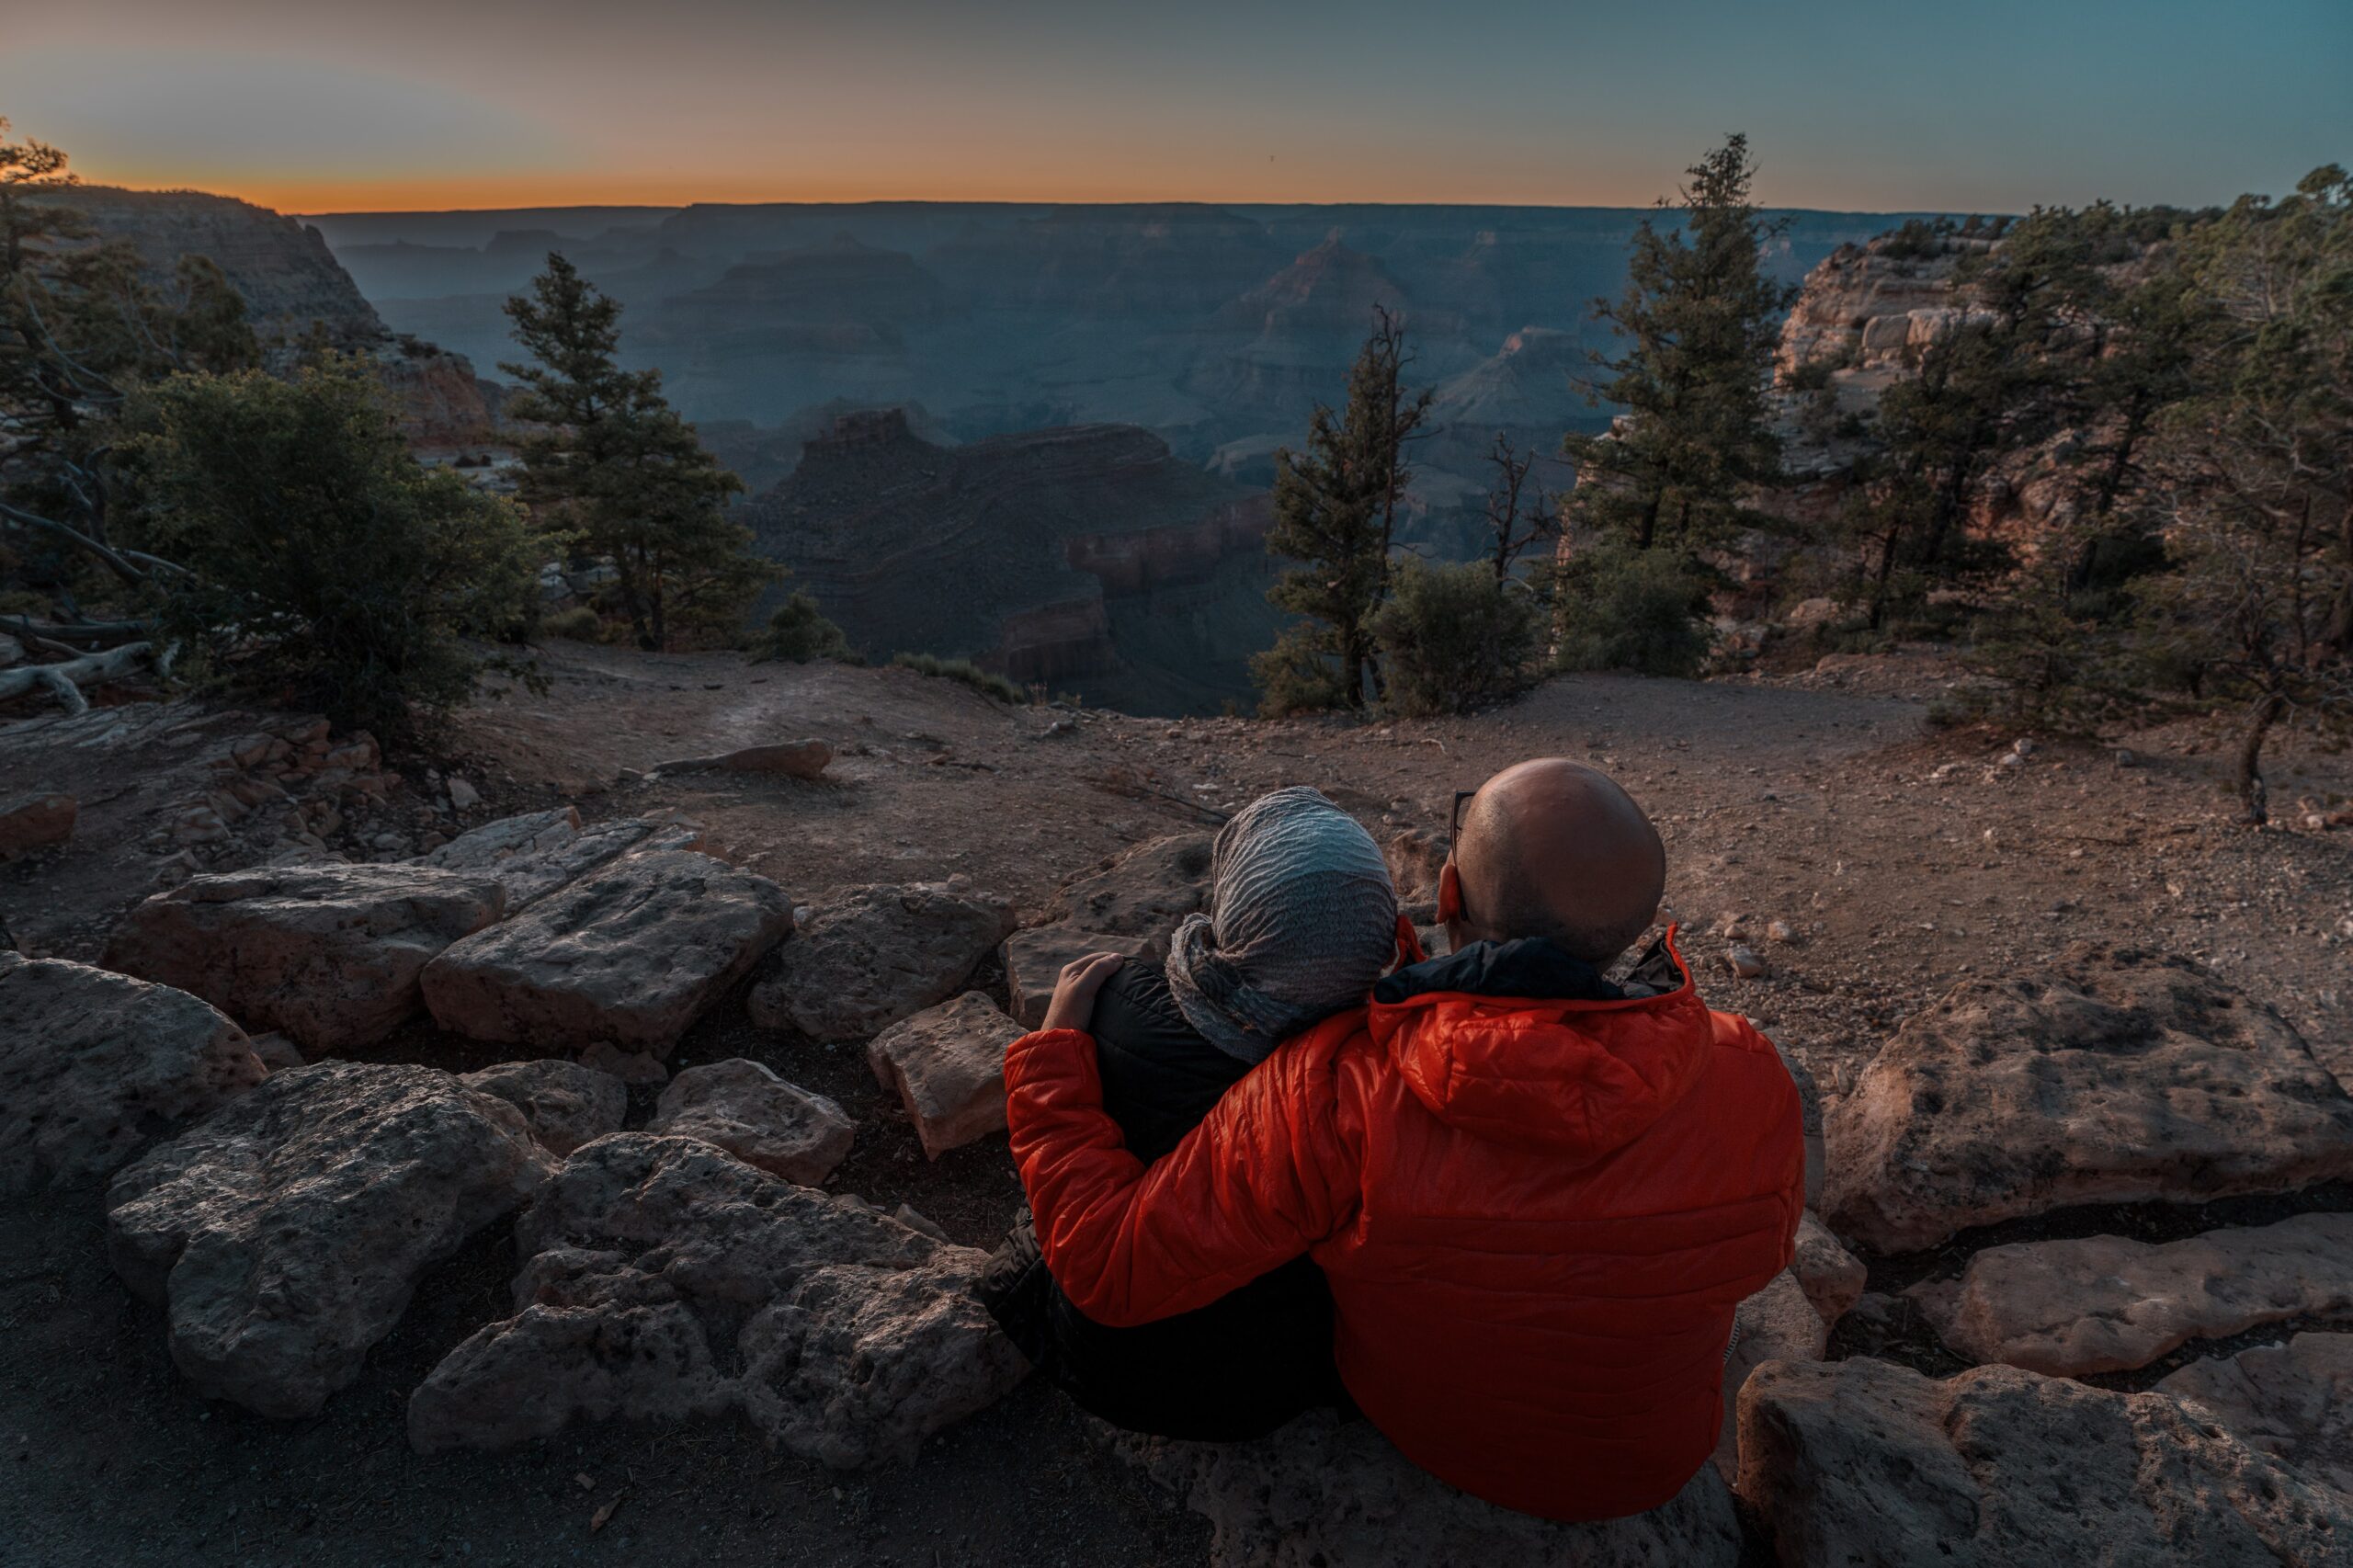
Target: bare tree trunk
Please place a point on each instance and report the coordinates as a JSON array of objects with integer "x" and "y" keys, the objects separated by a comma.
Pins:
[
  {"x": 1879, "y": 580},
  {"x": 2253, "y": 792},
  {"x": 65, "y": 679}
]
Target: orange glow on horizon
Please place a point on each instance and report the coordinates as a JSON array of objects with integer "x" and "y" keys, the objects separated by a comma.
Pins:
[{"x": 461, "y": 192}]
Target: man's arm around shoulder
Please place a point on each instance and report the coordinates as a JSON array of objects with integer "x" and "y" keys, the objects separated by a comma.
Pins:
[{"x": 1264, "y": 1176}]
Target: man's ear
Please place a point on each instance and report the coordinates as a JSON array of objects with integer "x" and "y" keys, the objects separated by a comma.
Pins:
[{"x": 1449, "y": 894}]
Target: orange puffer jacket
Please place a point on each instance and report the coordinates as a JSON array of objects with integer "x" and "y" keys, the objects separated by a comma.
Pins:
[{"x": 1537, "y": 1217}]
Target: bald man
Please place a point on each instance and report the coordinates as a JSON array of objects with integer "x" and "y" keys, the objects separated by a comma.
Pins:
[{"x": 1537, "y": 1193}]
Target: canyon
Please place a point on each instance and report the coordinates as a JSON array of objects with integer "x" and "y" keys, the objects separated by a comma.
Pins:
[{"x": 1040, "y": 437}]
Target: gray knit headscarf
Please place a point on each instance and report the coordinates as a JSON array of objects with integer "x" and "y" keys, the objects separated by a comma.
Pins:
[{"x": 1301, "y": 921}]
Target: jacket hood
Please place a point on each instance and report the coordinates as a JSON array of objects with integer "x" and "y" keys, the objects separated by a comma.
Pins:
[{"x": 1580, "y": 1066}]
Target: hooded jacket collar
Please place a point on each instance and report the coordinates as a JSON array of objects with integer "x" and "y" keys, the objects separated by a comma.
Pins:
[{"x": 1526, "y": 1044}]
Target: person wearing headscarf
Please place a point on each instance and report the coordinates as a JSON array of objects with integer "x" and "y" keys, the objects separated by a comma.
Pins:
[{"x": 1301, "y": 921}]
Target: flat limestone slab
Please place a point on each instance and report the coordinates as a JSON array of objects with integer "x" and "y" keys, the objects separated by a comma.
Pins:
[
  {"x": 1863, "y": 1463},
  {"x": 532, "y": 856},
  {"x": 664, "y": 1279},
  {"x": 94, "y": 1066},
  {"x": 2107, "y": 1304},
  {"x": 2113, "y": 1076},
  {"x": 739, "y": 1105},
  {"x": 2291, "y": 1401},
  {"x": 631, "y": 954},
  {"x": 328, "y": 955},
  {"x": 284, "y": 1235}
]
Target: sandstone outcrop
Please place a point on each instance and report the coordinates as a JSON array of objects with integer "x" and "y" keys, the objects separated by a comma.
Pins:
[
  {"x": 2114, "y": 1077},
  {"x": 633, "y": 954},
  {"x": 870, "y": 956},
  {"x": 747, "y": 1109},
  {"x": 95, "y": 1065},
  {"x": 328, "y": 954},
  {"x": 1323, "y": 1491},
  {"x": 2293, "y": 1401},
  {"x": 1861, "y": 1461},
  {"x": 667, "y": 1279},
  {"x": 947, "y": 1065},
  {"x": 564, "y": 1103},
  {"x": 2106, "y": 1305},
  {"x": 284, "y": 1235}
]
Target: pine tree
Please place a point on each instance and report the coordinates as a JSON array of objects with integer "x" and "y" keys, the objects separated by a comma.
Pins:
[
  {"x": 82, "y": 324},
  {"x": 617, "y": 468},
  {"x": 2256, "y": 608},
  {"x": 1336, "y": 512},
  {"x": 1701, "y": 320}
]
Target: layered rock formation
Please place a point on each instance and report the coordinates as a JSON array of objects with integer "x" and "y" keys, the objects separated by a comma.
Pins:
[
  {"x": 1021, "y": 552},
  {"x": 294, "y": 288},
  {"x": 290, "y": 280}
]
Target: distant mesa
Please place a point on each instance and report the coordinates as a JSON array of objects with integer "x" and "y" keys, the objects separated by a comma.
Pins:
[{"x": 842, "y": 281}]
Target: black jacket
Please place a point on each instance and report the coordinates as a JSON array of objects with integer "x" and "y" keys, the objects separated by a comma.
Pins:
[{"x": 1238, "y": 1367}]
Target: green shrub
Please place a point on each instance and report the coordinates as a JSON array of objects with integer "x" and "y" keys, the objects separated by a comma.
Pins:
[
  {"x": 799, "y": 632},
  {"x": 1452, "y": 637},
  {"x": 965, "y": 671},
  {"x": 1629, "y": 609},
  {"x": 1297, "y": 675},
  {"x": 578, "y": 624},
  {"x": 321, "y": 557}
]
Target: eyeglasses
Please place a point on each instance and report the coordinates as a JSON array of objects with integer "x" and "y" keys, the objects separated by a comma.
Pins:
[{"x": 1454, "y": 818}]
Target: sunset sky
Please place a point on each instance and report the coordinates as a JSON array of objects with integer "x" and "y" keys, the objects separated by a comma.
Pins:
[{"x": 1986, "y": 105}]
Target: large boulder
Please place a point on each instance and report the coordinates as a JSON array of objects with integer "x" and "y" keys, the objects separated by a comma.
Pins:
[
  {"x": 94, "y": 1066},
  {"x": 1862, "y": 1461},
  {"x": 666, "y": 1279},
  {"x": 756, "y": 1115},
  {"x": 284, "y": 1235},
  {"x": 532, "y": 856},
  {"x": 631, "y": 954},
  {"x": 1323, "y": 1491},
  {"x": 2107, "y": 1304},
  {"x": 947, "y": 1065},
  {"x": 2293, "y": 1401},
  {"x": 329, "y": 955},
  {"x": 565, "y": 1104},
  {"x": 2117, "y": 1077},
  {"x": 869, "y": 956}
]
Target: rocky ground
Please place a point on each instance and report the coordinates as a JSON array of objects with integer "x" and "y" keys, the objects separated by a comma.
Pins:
[{"x": 2049, "y": 993}]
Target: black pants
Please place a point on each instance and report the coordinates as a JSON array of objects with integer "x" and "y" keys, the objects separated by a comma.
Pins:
[{"x": 1236, "y": 1368}]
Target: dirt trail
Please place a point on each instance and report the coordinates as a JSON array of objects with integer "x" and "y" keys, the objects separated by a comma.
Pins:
[{"x": 1899, "y": 860}]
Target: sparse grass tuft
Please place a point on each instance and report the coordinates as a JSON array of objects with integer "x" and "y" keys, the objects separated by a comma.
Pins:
[{"x": 965, "y": 671}]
